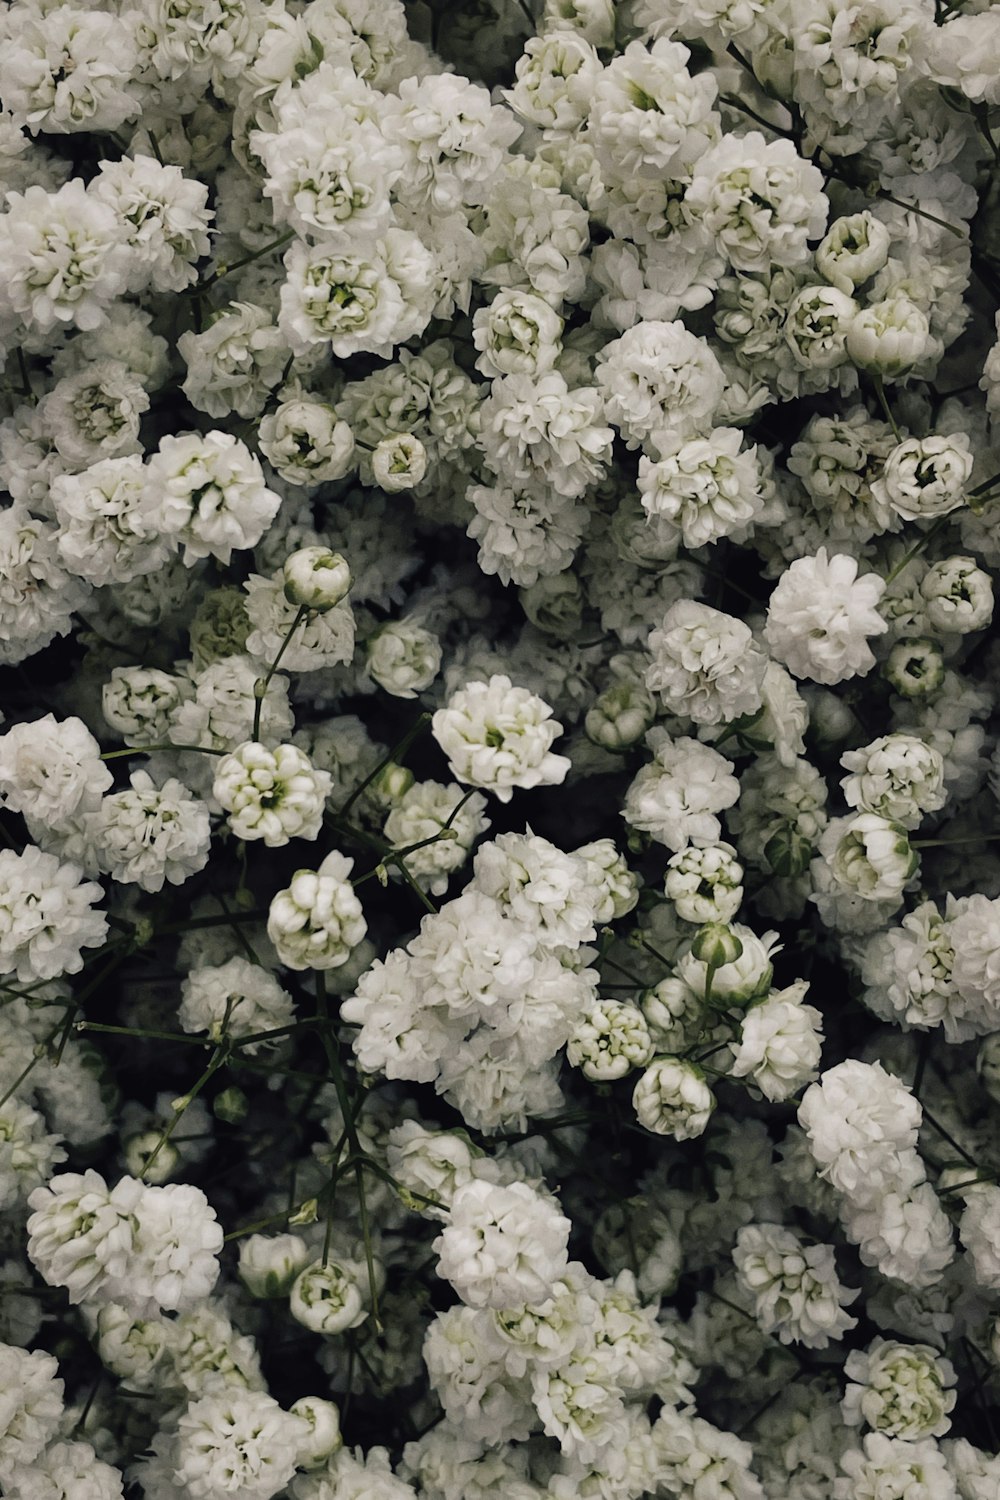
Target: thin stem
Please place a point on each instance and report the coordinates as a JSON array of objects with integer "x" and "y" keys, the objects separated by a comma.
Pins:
[
  {"x": 883, "y": 401},
  {"x": 300, "y": 615},
  {"x": 395, "y": 754},
  {"x": 918, "y": 547},
  {"x": 331, "y": 1048},
  {"x": 237, "y": 265},
  {"x": 152, "y": 749}
]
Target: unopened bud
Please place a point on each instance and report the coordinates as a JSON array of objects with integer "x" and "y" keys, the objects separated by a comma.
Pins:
[{"x": 716, "y": 944}]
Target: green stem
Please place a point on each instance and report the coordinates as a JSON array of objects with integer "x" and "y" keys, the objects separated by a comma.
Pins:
[
  {"x": 152, "y": 749},
  {"x": 331, "y": 1047},
  {"x": 395, "y": 754},
  {"x": 883, "y": 401},
  {"x": 918, "y": 547},
  {"x": 300, "y": 615},
  {"x": 202, "y": 286}
]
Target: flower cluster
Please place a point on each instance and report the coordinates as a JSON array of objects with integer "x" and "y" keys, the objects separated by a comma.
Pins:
[{"x": 499, "y": 750}]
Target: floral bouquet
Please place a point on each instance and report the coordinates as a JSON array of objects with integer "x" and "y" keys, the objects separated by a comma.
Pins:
[{"x": 499, "y": 870}]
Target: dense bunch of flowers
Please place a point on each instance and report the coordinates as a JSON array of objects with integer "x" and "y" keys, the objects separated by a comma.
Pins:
[{"x": 499, "y": 750}]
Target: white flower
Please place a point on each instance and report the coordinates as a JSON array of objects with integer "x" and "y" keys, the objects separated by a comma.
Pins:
[
  {"x": 759, "y": 200},
  {"x": 661, "y": 383},
  {"x": 675, "y": 798},
  {"x": 820, "y": 615},
  {"x": 269, "y": 1263},
  {"x": 556, "y": 74},
  {"x": 926, "y": 477},
  {"x": 145, "y": 1247},
  {"x": 893, "y": 1466},
  {"x": 67, "y": 69},
  {"x": 149, "y": 834},
  {"x": 498, "y": 737},
  {"x": 453, "y": 138},
  {"x": 889, "y": 337},
  {"x": 708, "y": 488},
  {"x": 797, "y": 1293},
  {"x": 51, "y": 768},
  {"x": 524, "y": 535},
  {"x": 163, "y": 218},
  {"x": 398, "y": 462},
  {"x": 209, "y": 492},
  {"x": 236, "y": 999},
  {"x": 317, "y": 921},
  {"x": 306, "y": 442},
  {"x": 104, "y": 535},
  {"x": 316, "y": 578},
  {"x": 853, "y": 249},
  {"x": 327, "y": 1297},
  {"x": 274, "y": 795},
  {"x": 737, "y": 980},
  {"x": 420, "y": 815},
  {"x": 899, "y": 777},
  {"x": 958, "y": 595},
  {"x": 704, "y": 664},
  {"x": 47, "y": 915},
  {"x": 649, "y": 117},
  {"x": 502, "y": 1246},
  {"x": 337, "y": 297},
  {"x": 780, "y": 1043},
  {"x": 235, "y": 363},
  {"x": 859, "y": 1120},
  {"x": 404, "y": 657},
  {"x": 429, "y": 1165},
  {"x": 325, "y": 637},
  {"x": 236, "y": 1443},
  {"x": 899, "y": 1389},
  {"x": 518, "y": 333},
  {"x": 63, "y": 255},
  {"x": 67, "y": 1468},
  {"x": 536, "y": 431},
  {"x": 979, "y": 1231},
  {"x": 705, "y": 883},
  {"x": 816, "y": 327},
  {"x": 974, "y": 937},
  {"x": 609, "y": 1041},
  {"x": 672, "y": 1098},
  {"x": 137, "y": 703},
  {"x": 31, "y": 1408},
  {"x": 868, "y": 855}
]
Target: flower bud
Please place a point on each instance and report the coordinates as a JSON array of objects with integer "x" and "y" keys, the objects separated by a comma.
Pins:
[
  {"x": 404, "y": 657},
  {"x": 672, "y": 1098},
  {"x": 620, "y": 716},
  {"x": 325, "y": 1438},
  {"x": 554, "y": 604},
  {"x": 926, "y": 477},
  {"x": 316, "y": 578},
  {"x": 915, "y": 668},
  {"x": 399, "y": 462},
  {"x": 733, "y": 982},
  {"x": 959, "y": 595},
  {"x": 816, "y": 325},
  {"x": 391, "y": 784},
  {"x": 716, "y": 944},
  {"x": 327, "y": 1298},
  {"x": 231, "y": 1106},
  {"x": 269, "y": 1263},
  {"x": 889, "y": 337},
  {"x": 853, "y": 249},
  {"x": 670, "y": 1008},
  {"x": 869, "y": 856},
  {"x": 788, "y": 852}
]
